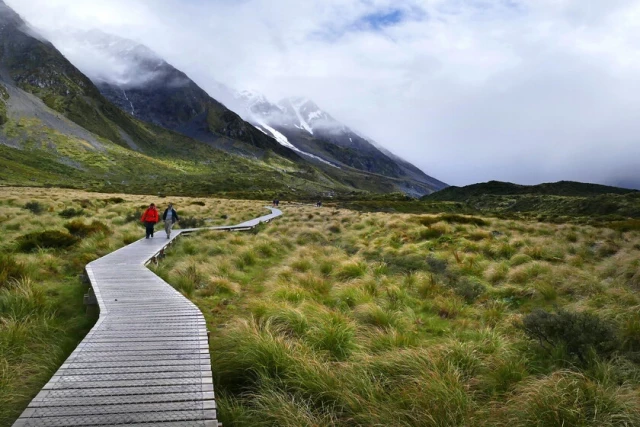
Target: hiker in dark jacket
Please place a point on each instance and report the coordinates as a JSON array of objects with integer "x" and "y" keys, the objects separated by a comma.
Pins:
[
  {"x": 170, "y": 217},
  {"x": 149, "y": 219}
]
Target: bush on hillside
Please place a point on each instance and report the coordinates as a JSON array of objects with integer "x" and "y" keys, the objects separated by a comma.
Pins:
[
  {"x": 624, "y": 226},
  {"x": 191, "y": 222},
  {"x": 404, "y": 263},
  {"x": 71, "y": 213},
  {"x": 115, "y": 200},
  {"x": 133, "y": 216},
  {"x": 451, "y": 219},
  {"x": 53, "y": 239},
  {"x": 79, "y": 229},
  {"x": 578, "y": 332},
  {"x": 467, "y": 288},
  {"x": 35, "y": 207}
]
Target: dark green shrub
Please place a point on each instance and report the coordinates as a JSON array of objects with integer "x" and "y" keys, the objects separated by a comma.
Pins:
[
  {"x": 79, "y": 229},
  {"x": 258, "y": 228},
  {"x": 71, "y": 212},
  {"x": 628, "y": 225},
  {"x": 35, "y": 207},
  {"x": 405, "y": 263},
  {"x": 436, "y": 265},
  {"x": 133, "y": 216},
  {"x": 10, "y": 269},
  {"x": 428, "y": 221},
  {"x": 335, "y": 229},
  {"x": 578, "y": 332},
  {"x": 451, "y": 219},
  {"x": 115, "y": 200},
  {"x": 461, "y": 219},
  {"x": 430, "y": 233},
  {"x": 46, "y": 239},
  {"x": 191, "y": 222},
  {"x": 466, "y": 288}
]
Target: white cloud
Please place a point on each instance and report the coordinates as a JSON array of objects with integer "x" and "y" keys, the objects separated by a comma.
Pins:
[{"x": 469, "y": 90}]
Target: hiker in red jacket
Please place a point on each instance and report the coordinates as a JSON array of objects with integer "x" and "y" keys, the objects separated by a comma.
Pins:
[{"x": 149, "y": 218}]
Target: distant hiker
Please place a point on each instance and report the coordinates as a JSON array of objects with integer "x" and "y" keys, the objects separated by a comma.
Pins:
[
  {"x": 170, "y": 217},
  {"x": 274, "y": 203},
  {"x": 319, "y": 204},
  {"x": 277, "y": 202},
  {"x": 149, "y": 219}
]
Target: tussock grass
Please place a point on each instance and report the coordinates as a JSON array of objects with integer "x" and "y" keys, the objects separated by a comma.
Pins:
[
  {"x": 570, "y": 398},
  {"x": 46, "y": 238},
  {"x": 352, "y": 318}
]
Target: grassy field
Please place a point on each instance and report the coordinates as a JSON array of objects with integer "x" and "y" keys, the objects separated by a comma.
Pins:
[
  {"x": 47, "y": 236},
  {"x": 336, "y": 317},
  {"x": 333, "y": 317}
]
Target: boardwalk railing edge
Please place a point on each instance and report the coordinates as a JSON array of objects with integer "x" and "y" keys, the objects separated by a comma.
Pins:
[{"x": 38, "y": 413}]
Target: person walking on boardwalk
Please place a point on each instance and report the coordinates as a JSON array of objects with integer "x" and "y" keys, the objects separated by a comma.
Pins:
[
  {"x": 170, "y": 217},
  {"x": 150, "y": 218}
]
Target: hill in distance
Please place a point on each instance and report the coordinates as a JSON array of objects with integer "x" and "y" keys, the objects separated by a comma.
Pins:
[
  {"x": 564, "y": 198},
  {"x": 498, "y": 188}
]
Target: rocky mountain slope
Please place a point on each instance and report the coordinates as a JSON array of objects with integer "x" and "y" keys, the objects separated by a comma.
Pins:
[
  {"x": 164, "y": 134},
  {"x": 146, "y": 86},
  {"x": 150, "y": 89}
]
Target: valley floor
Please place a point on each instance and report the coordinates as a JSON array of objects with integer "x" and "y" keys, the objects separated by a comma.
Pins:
[{"x": 334, "y": 317}]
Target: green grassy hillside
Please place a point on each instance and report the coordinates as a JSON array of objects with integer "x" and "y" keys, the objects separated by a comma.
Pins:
[{"x": 554, "y": 201}]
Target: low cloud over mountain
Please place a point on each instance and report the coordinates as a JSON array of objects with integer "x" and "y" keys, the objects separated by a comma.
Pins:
[{"x": 525, "y": 91}]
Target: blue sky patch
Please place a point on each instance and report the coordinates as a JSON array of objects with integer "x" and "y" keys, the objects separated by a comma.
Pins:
[
  {"x": 381, "y": 19},
  {"x": 376, "y": 21}
]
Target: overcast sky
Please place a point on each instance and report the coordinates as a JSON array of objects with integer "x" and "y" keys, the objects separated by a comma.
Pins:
[{"x": 526, "y": 91}]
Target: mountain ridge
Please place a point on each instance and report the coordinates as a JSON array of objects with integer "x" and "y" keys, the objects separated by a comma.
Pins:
[
  {"x": 314, "y": 131},
  {"x": 57, "y": 128},
  {"x": 292, "y": 122}
]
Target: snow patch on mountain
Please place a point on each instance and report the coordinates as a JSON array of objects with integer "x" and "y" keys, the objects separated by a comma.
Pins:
[
  {"x": 295, "y": 106},
  {"x": 278, "y": 136},
  {"x": 283, "y": 140}
]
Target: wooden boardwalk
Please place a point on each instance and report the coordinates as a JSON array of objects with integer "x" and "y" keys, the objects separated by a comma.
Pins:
[{"x": 146, "y": 361}]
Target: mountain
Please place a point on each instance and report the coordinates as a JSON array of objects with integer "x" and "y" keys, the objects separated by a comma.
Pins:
[
  {"x": 306, "y": 126},
  {"x": 58, "y": 129},
  {"x": 143, "y": 84},
  {"x": 150, "y": 89}
]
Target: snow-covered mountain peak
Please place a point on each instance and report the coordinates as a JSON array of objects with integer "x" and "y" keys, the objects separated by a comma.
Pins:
[
  {"x": 251, "y": 97},
  {"x": 255, "y": 104}
]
